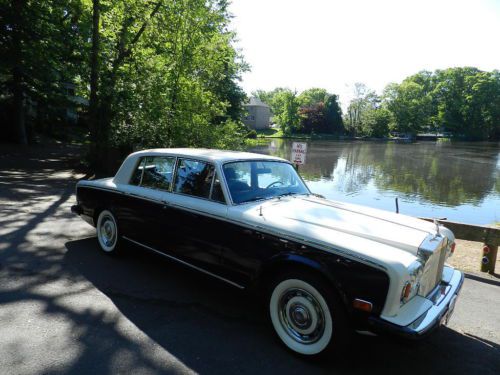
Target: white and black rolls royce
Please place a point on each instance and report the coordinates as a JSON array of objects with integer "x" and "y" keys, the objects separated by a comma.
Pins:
[{"x": 326, "y": 268}]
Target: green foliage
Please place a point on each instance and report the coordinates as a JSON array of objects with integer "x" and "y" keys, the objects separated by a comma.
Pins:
[
  {"x": 463, "y": 101},
  {"x": 312, "y": 97},
  {"x": 287, "y": 116},
  {"x": 314, "y": 110},
  {"x": 364, "y": 100},
  {"x": 322, "y": 117},
  {"x": 176, "y": 83},
  {"x": 40, "y": 49},
  {"x": 162, "y": 73},
  {"x": 410, "y": 105},
  {"x": 284, "y": 106},
  {"x": 252, "y": 134},
  {"x": 468, "y": 102},
  {"x": 333, "y": 115},
  {"x": 376, "y": 122}
]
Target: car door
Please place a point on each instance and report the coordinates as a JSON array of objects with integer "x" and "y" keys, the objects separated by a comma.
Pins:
[
  {"x": 196, "y": 210},
  {"x": 143, "y": 208}
]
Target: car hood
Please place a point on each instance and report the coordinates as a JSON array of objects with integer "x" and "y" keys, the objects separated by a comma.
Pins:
[{"x": 341, "y": 225}]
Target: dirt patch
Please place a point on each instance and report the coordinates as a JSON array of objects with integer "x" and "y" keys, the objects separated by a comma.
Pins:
[{"x": 467, "y": 257}]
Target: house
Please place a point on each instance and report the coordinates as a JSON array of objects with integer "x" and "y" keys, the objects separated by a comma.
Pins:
[
  {"x": 258, "y": 116},
  {"x": 74, "y": 102}
]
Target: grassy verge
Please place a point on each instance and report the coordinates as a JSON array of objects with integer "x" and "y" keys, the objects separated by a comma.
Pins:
[{"x": 277, "y": 133}]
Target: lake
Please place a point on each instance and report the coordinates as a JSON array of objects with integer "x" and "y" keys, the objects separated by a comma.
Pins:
[{"x": 459, "y": 181}]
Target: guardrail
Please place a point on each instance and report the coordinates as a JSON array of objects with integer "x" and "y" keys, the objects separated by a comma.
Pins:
[{"x": 489, "y": 236}]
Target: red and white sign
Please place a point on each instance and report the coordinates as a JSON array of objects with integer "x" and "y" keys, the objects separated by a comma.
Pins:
[{"x": 299, "y": 150}]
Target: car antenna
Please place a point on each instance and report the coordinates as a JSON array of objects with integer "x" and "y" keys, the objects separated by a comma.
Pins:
[
  {"x": 397, "y": 205},
  {"x": 260, "y": 210}
]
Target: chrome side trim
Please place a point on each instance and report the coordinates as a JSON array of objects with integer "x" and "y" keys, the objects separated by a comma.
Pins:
[{"x": 186, "y": 263}]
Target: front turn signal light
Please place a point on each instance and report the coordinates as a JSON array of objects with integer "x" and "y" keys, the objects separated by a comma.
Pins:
[
  {"x": 452, "y": 248},
  {"x": 362, "y": 305},
  {"x": 406, "y": 292}
]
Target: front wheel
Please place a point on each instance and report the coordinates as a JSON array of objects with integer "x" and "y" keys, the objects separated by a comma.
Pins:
[
  {"x": 107, "y": 232},
  {"x": 306, "y": 314}
]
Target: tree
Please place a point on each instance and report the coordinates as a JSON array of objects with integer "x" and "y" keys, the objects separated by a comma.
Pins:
[
  {"x": 285, "y": 106},
  {"x": 313, "y": 96},
  {"x": 462, "y": 101},
  {"x": 482, "y": 105},
  {"x": 364, "y": 100},
  {"x": 333, "y": 115},
  {"x": 267, "y": 96},
  {"x": 468, "y": 101},
  {"x": 376, "y": 122},
  {"x": 164, "y": 74},
  {"x": 40, "y": 45},
  {"x": 409, "y": 106},
  {"x": 312, "y": 119}
]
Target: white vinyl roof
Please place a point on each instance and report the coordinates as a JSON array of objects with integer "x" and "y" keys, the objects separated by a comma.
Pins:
[
  {"x": 210, "y": 155},
  {"x": 206, "y": 154}
]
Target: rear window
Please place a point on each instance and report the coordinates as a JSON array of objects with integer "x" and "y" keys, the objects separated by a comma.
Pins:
[
  {"x": 154, "y": 172},
  {"x": 158, "y": 172},
  {"x": 137, "y": 175}
]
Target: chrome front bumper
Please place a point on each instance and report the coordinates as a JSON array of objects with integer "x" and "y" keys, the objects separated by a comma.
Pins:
[{"x": 441, "y": 301}]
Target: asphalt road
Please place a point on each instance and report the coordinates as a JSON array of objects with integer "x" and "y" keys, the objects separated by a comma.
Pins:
[{"x": 67, "y": 308}]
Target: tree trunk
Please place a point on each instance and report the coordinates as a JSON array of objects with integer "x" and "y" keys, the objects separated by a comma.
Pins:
[
  {"x": 94, "y": 123},
  {"x": 17, "y": 75}
]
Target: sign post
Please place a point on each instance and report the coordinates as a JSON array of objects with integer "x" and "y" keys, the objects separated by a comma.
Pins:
[{"x": 299, "y": 150}]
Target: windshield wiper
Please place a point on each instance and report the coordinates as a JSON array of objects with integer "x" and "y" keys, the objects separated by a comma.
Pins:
[
  {"x": 285, "y": 195},
  {"x": 254, "y": 199}
]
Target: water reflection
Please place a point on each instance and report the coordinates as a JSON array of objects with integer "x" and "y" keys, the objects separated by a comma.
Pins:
[{"x": 460, "y": 180}]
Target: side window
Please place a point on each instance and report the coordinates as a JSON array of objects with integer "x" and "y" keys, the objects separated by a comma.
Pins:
[
  {"x": 217, "y": 194},
  {"x": 194, "y": 177},
  {"x": 158, "y": 171},
  {"x": 137, "y": 175}
]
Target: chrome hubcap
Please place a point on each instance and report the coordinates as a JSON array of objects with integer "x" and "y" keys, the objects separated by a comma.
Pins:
[
  {"x": 301, "y": 316},
  {"x": 108, "y": 231}
]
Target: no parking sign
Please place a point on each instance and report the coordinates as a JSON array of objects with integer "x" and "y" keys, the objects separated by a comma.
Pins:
[{"x": 299, "y": 150}]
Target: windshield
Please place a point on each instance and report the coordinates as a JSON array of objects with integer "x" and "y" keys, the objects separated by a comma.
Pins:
[{"x": 253, "y": 180}]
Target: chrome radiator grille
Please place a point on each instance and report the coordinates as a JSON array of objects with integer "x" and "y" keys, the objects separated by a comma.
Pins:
[{"x": 433, "y": 270}]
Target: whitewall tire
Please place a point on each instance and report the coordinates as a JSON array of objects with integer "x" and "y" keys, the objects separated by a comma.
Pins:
[
  {"x": 303, "y": 315},
  {"x": 107, "y": 232}
]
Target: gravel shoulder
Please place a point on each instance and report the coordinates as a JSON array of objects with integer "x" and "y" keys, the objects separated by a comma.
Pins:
[{"x": 468, "y": 256}]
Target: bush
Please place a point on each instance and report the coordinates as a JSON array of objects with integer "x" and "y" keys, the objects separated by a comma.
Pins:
[{"x": 252, "y": 134}]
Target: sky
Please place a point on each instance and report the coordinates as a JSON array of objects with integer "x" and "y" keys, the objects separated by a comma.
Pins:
[{"x": 332, "y": 44}]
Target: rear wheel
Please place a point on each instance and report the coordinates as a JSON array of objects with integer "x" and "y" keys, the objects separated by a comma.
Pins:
[
  {"x": 307, "y": 315},
  {"x": 107, "y": 232}
]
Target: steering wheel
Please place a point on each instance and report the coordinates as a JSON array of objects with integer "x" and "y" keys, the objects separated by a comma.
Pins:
[{"x": 274, "y": 183}]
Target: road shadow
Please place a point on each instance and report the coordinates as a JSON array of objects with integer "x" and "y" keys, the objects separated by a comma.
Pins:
[
  {"x": 214, "y": 328},
  {"x": 485, "y": 278}
]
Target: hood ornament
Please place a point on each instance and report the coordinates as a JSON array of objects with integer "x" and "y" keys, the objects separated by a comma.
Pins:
[{"x": 436, "y": 223}]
